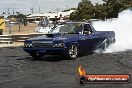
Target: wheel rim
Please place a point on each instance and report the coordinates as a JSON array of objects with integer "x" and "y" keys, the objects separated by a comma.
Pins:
[
  {"x": 105, "y": 44},
  {"x": 73, "y": 51}
]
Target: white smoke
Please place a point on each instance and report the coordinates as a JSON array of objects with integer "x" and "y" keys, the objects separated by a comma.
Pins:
[{"x": 123, "y": 31}]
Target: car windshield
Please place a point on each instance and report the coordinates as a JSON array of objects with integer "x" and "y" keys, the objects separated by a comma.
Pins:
[
  {"x": 70, "y": 28},
  {"x": 44, "y": 23}
]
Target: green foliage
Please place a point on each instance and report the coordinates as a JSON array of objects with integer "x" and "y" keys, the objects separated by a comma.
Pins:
[
  {"x": 109, "y": 9},
  {"x": 84, "y": 11},
  {"x": 113, "y": 7},
  {"x": 69, "y": 9},
  {"x": 19, "y": 17}
]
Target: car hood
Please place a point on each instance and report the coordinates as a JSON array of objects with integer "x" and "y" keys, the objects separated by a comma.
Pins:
[{"x": 54, "y": 37}]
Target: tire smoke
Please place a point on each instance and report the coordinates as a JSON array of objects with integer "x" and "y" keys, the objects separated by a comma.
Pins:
[{"x": 123, "y": 31}]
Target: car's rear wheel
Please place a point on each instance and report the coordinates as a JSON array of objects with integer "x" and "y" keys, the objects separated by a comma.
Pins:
[
  {"x": 73, "y": 51},
  {"x": 102, "y": 47}
]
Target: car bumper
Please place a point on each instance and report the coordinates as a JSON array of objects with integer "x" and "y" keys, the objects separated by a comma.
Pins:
[{"x": 45, "y": 50}]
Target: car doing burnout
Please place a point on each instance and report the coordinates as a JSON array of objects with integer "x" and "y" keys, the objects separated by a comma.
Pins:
[{"x": 72, "y": 40}]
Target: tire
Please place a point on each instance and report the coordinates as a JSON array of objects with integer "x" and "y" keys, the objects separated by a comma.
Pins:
[
  {"x": 102, "y": 47},
  {"x": 113, "y": 41},
  {"x": 36, "y": 56},
  {"x": 72, "y": 52}
]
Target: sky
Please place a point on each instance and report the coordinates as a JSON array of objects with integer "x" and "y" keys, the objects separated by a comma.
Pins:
[{"x": 24, "y": 6}]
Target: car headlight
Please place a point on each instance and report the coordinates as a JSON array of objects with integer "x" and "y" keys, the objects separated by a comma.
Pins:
[
  {"x": 27, "y": 44},
  {"x": 59, "y": 45}
]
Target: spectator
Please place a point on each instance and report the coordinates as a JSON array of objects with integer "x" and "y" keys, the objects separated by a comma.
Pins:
[{"x": 55, "y": 21}]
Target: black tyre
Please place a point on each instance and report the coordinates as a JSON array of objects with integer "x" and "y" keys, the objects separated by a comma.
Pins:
[
  {"x": 102, "y": 47},
  {"x": 72, "y": 52}
]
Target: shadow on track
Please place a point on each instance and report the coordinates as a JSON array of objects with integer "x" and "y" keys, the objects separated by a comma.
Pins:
[
  {"x": 47, "y": 58},
  {"x": 13, "y": 56}
]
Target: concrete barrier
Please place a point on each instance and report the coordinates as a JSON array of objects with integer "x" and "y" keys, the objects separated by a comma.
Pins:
[
  {"x": 17, "y": 37},
  {"x": 23, "y": 37},
  {"x": 6, "y": 39}
]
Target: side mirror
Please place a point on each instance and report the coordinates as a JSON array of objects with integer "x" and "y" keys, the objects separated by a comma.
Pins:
[{"x": 93, "y": 33}]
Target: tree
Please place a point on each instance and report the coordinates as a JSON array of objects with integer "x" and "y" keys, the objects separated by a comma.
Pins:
[
  {"x": 109, "y": 9},
  {"x": 69, "y": 9},
  {"x": 115, "y": 6},
  {"x": 99, "y": 11},
  {"x": 84, "y": 11}
]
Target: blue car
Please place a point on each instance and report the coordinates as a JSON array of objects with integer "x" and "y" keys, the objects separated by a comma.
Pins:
[{"x": 72, "y": 40}]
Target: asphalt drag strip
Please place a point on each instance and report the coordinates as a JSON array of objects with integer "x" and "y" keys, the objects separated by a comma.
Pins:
[{"x": 19, "y": 70}]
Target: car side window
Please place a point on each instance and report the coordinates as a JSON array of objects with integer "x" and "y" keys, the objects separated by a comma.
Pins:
[
  {"x": 87, "y": 29},
  {"x": 79, "y": 28}
]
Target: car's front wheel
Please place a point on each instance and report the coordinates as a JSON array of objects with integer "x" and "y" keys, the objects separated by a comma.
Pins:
[{"x": 72, "y": 51}]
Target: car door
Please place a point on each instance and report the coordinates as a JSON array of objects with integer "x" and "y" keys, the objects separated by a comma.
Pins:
[{"x": 87, "y": 38}]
